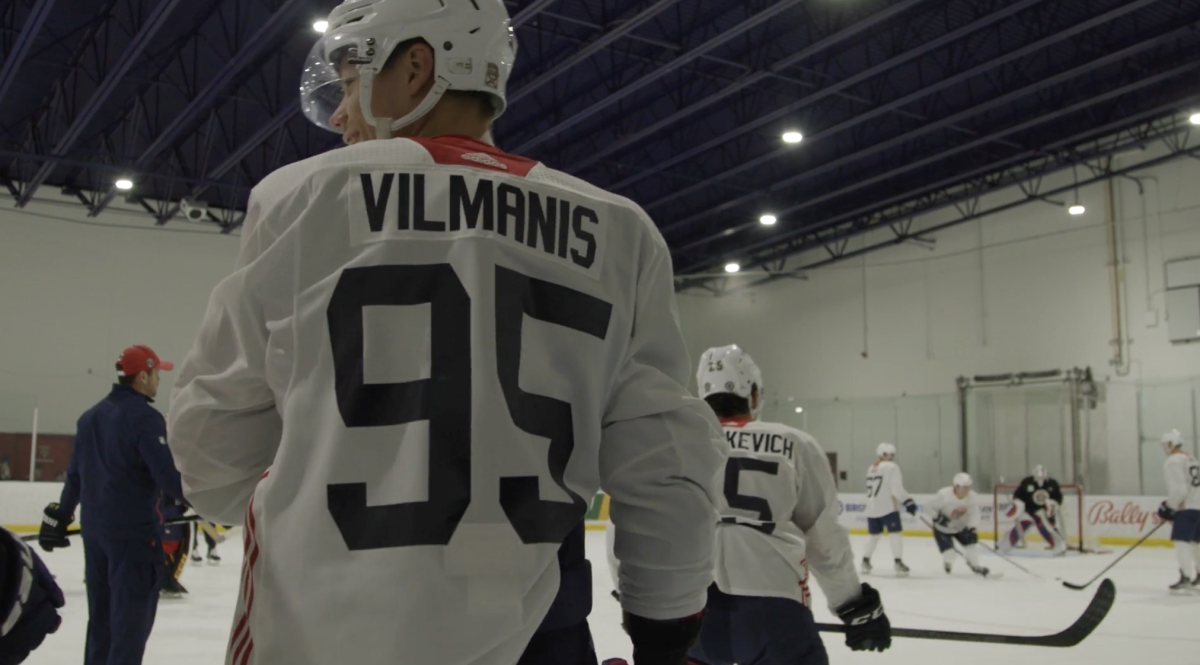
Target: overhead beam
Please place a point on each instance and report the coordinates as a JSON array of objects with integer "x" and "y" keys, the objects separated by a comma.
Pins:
[
  {"x": 265, "y": 39},
  {"x": 1068, "y": 144},
  {"x": 906, "y": 137},
  {"x": 20, "y": 50},
  {"x": 601, "y": 42},
  {"x": 1175, "y": 153},
  {"x": 808, "y": 100},
  {"x": 890, "y": 107},
  {"x": 248, "y": 146},
  {"x": 526, "y": 15},
  {"x": 145, "y": 36},
  {"x": 675, "y": 64}
]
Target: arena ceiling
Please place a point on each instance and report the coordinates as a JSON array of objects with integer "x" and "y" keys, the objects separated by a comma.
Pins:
[{"x": 905, "y": 106}]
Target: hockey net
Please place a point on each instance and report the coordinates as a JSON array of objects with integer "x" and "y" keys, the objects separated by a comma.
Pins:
[{"x": 1069, "y": 520}]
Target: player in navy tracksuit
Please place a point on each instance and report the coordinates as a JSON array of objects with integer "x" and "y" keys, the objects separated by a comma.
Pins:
[{"x": 120, "y": 468}]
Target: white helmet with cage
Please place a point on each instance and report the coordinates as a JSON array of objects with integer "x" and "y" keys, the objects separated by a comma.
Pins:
[
  {"x": 963, "y": 480},
  {"x": 885, "y": 449},
  {"x": 729, "y": 369},
  {"x": 1040, "y": 474},
  {"x": 473, "y": 43}
]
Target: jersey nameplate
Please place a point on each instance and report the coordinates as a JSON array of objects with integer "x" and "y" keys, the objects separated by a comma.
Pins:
[
  {"x": 759, "y": 442},
  {"x": 454, "y": 203}
]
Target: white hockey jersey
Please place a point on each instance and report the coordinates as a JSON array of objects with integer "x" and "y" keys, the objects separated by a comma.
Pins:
[
  {"x": 430, "y": 356},
  {"x": 1183, "y": 481},
  {"x": 963, "y": 513},
  {"x": 779, "y": 517},
  {"x": 885, "y": 489}
]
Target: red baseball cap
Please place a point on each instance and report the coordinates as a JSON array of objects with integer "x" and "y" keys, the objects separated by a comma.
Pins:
[{"x": 139, "y": 358}]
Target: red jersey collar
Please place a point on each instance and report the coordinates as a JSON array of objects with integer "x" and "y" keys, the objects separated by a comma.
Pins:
[{"x": 735, "y": 422}]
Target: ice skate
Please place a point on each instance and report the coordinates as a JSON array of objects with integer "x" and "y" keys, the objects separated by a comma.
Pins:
[
  {"x": 948, "y": 566},
  {"x": 214, "y": 559},
  {"x": 197, "y": 557},
  {"x": 901, "y": 569},
  {"x": 1183, "y": 583},
  {"x": 866, "y": 567}
]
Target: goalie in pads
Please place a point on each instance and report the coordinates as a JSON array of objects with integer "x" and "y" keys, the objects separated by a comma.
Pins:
[{"x": 1035, "y": 504}]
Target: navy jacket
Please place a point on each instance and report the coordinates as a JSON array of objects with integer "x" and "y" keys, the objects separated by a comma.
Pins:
[{"x": 120, "y": 468}]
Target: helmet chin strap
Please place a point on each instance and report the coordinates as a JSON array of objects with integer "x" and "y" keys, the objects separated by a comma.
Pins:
[{"x": 385, "y": 128}]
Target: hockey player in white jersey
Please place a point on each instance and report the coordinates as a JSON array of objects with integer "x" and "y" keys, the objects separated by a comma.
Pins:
[
  {"x": 778, "y": 518},
  {"x": 885, "y": 497},
  {"x": 1182, "y": 508},
  {"x": 955, "y": 514},
  {"x": 430, "y": 356}
]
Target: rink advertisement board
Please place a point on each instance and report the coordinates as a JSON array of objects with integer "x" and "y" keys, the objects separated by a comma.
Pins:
[{"x": 1113, "y": 520}]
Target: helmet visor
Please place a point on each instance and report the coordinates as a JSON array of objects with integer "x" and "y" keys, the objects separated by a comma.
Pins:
[{"x": 328, "y": 73}]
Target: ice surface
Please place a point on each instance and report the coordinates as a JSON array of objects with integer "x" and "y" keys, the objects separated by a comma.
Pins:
[{"x": 1147, "y": 624}]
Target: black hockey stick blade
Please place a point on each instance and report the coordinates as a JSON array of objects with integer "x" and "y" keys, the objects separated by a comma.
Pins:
[
  {"x": 75, "y": 532},
  {"x": 1077, "y": 632},
  {"x": 1080, "y": 587}
]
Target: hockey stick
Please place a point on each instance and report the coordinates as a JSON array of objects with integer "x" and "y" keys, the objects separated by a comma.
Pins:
[
  {"x": 1077, "y": 632},
  {"x": 1002, "y": 556},
  {"x": 1080, "y": 587},
  {"x": 75, "y": 532}
]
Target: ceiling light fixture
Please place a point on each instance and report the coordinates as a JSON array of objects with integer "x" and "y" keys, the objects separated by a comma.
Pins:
[
  {"x": 1195, "y": 119},
  {"x": 1077, "y": 209},
  {"x": 792, "y": 137},
  {"x": 732, "y": 267},
  {"x": 321, "y": 26},
  {"x": 124, "y": 184},
  {"x": 768, "y": 220}
]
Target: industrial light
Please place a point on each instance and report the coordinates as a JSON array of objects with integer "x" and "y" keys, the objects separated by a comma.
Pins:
[
  {"x": 321, "y": 26},
  {"x": 799, "y": 409},
  {"x": 732, "y": 267},
  {"x": 124, "y": 184},
  {"x": 767, "y": 220},
  {"x": 792, "y": 137},
  {"x": 1077, "y": 209},
  {"x": 1195, "y": 118}
]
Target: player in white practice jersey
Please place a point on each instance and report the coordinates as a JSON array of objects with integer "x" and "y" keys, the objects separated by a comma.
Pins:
[
  {"x": 955, "y": 514},
  {"x": 885, "y": 497},
  {"x": 778, "y": 518},
  {"x": 430, "y": 356},
  {"x": 1182, "y": 508}
]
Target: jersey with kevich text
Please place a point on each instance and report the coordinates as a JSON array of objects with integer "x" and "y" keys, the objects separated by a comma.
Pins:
[{"x": 778, "y": 517}]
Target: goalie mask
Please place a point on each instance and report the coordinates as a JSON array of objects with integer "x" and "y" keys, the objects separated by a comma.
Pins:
[
  {"x": 1039, "y": 474},
  {"x": 728, "y": 369},
  {"x": 473, "y": 43}
]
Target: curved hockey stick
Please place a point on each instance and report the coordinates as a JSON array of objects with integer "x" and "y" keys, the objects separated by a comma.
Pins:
[
  {"x": 1080, "y": 587},
  {"x": 75, "y": 532},
  {"x": 1077, "y": 632}
]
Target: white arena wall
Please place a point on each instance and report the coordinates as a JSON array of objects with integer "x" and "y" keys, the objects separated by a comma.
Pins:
[{"x": 873, "y": 347}]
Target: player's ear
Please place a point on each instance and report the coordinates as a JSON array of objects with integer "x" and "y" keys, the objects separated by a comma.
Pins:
[{"x": 420, "y": 62}]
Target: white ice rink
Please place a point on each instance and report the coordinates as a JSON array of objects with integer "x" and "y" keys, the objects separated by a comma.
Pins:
[{"x": 1147, "y": 626}]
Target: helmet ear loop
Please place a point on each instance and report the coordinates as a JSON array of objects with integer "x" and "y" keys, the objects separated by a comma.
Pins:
[{"x": 366, "y": 87}]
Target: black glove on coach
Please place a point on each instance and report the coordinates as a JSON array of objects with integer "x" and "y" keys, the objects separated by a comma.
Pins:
[
  {"x": 54, "y": 528},
  {"x": 867, "y": 627}
]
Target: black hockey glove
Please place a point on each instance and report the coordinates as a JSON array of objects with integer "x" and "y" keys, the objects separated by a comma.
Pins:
[
  {"x": 54, "y": 528},
  {"x": 867, "y": 627},
  {"x": 910, "y": 506},
  {"x": 942, "y": 521},
  {"x": 662, "y": 642},
  {"x": 1166, "y": 512},
  {"x": 29, "y": 600}
]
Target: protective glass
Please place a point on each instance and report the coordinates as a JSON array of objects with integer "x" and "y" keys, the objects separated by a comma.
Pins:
[{"x": 322, "y": 84}]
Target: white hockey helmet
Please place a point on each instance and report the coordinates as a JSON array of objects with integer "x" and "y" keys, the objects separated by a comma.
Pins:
[
  {"x": 473, "y": 43},
  {"x": 963, "y": 480},
  {"x": 1171, "y": 439},
  {"x": 885, "y": 449},
  {"x": 728, "y": 369},
  {"x": 1039, "y": 473}
]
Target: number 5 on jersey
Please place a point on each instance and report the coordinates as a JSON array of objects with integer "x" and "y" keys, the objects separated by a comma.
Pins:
[{"x": 444, "y": 400}]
